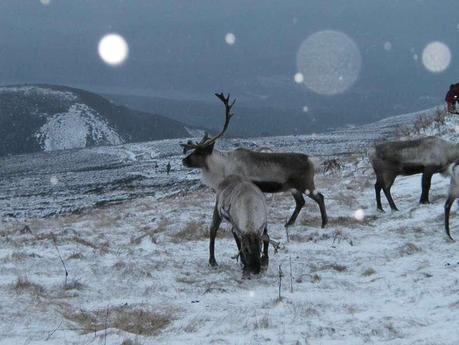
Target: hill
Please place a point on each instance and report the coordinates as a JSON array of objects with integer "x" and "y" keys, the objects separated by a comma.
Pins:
[{"x": 49, "y": 117}]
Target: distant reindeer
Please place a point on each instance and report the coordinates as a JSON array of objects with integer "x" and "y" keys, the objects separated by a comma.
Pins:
[
  {"x": 243, "y": 205},
  {"x": 271, "y": 172},
  {"x": 453, "y": 193},
  {"x": 426, "y": 156}
]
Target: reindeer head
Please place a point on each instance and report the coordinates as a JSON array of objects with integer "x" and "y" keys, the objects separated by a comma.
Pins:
[
  {"x": 250, "y": 252},
  {"x": 201, "y": 150}
]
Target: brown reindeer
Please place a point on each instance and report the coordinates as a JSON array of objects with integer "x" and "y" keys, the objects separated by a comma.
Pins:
[
  {"x": 271, "y": 172},
  {"x": 426, "y": 156}
]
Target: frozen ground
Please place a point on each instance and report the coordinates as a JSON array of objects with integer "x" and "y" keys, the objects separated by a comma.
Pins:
[{"x": 138, "y": 273}]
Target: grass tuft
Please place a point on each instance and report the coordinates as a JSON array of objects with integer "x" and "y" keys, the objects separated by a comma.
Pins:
[{"x": 126, "y": 318}]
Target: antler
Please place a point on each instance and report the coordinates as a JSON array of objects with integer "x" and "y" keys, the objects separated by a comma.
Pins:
[
  {"x": 205, "y": 141},
  {"x": 228, "y": 114}
]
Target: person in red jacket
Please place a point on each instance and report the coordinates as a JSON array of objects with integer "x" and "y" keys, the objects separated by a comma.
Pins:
[{"x": 451, "y": 98}]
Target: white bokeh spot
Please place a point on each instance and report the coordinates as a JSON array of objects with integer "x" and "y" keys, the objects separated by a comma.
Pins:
[
  {"x": 230, "y": 38},
  {"x": 387, "y": 45},
  {"x": 53, "y": 180},
  {"x": 305, "y": 109},
  {"x": 113, "y": 49},
  {"x": 359, "y": 214},
  {"x": 329, "y": 61},
  {"x": 298, "y": 77},
  {"x": 45, "y": 2},
  {"x": 436, "y": 57}
]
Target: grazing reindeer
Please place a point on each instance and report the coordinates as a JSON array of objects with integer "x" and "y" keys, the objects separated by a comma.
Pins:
[
  {"x": 271, "y": 172},
  {"x": 243, "y": 205},
  {"x": 453, "y": 193},
  {"x": 429, "y": 155}
]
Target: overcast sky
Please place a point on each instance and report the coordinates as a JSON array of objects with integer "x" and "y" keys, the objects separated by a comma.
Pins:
[{"x": 178, "y": 48}]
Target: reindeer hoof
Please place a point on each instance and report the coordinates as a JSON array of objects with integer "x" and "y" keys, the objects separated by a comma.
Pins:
[
  {"x": 213, "y": 263},
  {"x": 264, "y": 262},
  {"x": 245, "y": 274},
  {"x": 380, "y": 210}
]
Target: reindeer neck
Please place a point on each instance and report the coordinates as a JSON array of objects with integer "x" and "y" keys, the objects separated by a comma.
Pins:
[{"x": 217, "y": 168}]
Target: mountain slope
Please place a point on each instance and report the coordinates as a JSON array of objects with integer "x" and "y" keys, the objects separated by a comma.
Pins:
[{"x": 48, "y": 117}]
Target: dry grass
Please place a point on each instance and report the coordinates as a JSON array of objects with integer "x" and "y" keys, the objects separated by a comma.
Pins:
[
  {"x": 74, "y": 285},
  {"x": 23, "y": 285},
  {"x": 408, "y": 249},
  {"x": 315, "y": 278},
  {"x": 368, "y": 272},
  {"x": 351, "y": 221},
  {"x": 193, "y": 231},
  {"x": 423, "y": 123},
  {"x": 126, "y": 318},
  {"x": 327, "y": 267},
  {"x": 152, "y": 232},
  {"x": 130, "y": 342},
  {"x": 310, "y": 237},
  {"x": 21, "y": 256},
  {"x": 84, "y": 242},
  {"x": 264, "y": 322},
  {"x": 75, "y": 256}
]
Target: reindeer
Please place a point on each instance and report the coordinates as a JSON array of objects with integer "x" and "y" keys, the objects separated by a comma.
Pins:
[
  {"x": 453, "y": 193},
  {"x": 428, "y": 155},
  {"x": 271, "y": 172},
  {"x": 243, "y": 205}
]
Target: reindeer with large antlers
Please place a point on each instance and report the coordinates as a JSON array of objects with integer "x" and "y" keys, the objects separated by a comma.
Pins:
[{"x": 271, "y": 172}]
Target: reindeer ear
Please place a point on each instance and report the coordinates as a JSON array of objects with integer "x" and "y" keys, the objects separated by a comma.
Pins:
[{"x": 208, "y": 148}]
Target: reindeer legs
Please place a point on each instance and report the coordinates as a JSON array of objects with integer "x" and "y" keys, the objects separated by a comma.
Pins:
[
  {"x": 299, "y": 204},
  {"x": 448, "y": 204},
  {"x": 319, "y": 199},
  {"x": 216, "y": 221},
  {"x": 378, "y": 188},
  {"x": 426, "y": 179},
  {"x": 386, "y": 184},
  {"x": 265, "y": 256}
]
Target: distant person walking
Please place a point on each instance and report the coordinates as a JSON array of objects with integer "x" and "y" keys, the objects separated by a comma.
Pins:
[
  {"x": 451, "y": 98},
  {"x": 168, "y": 167}
]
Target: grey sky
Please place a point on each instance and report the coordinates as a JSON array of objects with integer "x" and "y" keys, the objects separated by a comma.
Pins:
[{"x": 177, "y": 47}]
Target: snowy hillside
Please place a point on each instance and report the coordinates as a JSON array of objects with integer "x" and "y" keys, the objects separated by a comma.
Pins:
[
  {"x": 137, "y": 263},
  {"x": 48, "y": 117},
  {"x": 42, "y": 184}
]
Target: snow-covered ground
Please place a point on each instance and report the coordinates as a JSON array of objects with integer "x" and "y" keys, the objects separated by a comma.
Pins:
[{"x": 138, "y": 273}]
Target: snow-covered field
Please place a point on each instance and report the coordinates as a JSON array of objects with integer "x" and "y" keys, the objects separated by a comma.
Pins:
[{"x": 138, "y": 273}]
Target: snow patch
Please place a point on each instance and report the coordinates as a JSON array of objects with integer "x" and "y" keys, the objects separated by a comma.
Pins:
[
  {"x": 76, "y": 128},
  {"x": 40, "y": 91}
]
